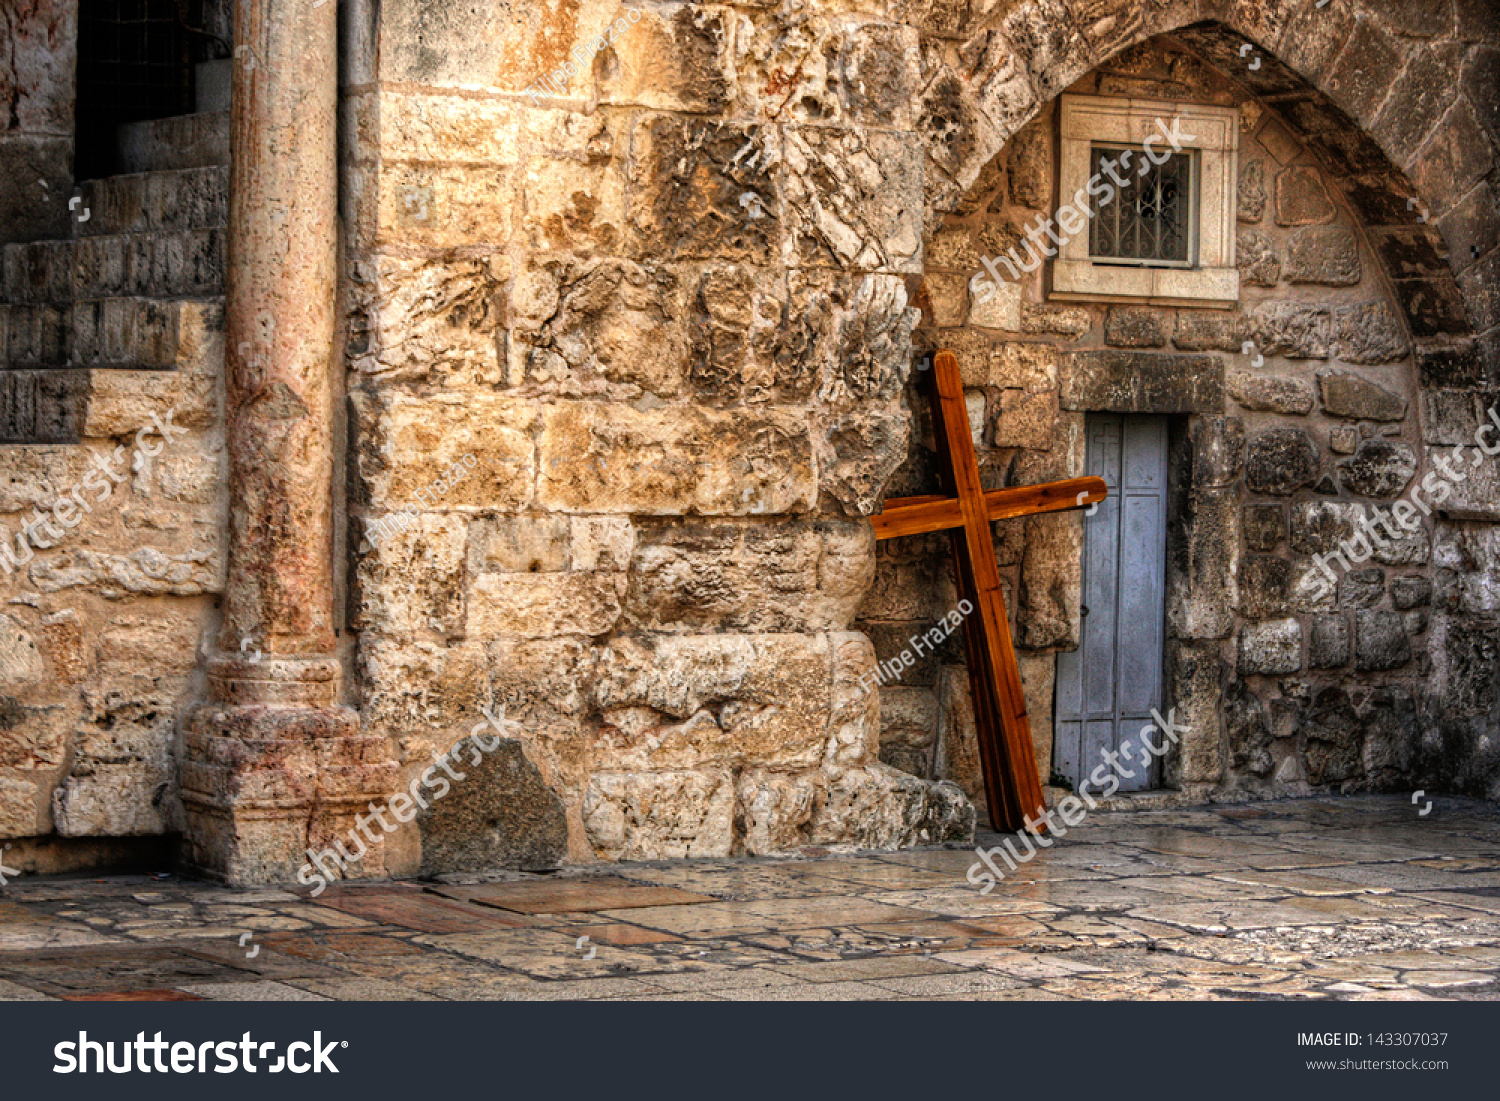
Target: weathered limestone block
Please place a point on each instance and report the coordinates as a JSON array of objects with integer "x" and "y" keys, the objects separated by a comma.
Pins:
[
  {"x": 413, "y": 581},
  {"x": 713, "y": 701},
  {"x": 1334, "y": 735},
  {"x": 1138, "y": 382},
  {"x": 881, "y": 807},
  {"x": 1273, "y": 647},
  {"x": 1467, "y": 557},
  {"x": 693, "y": 184},
  {"x": 1379, "y": 468},
  {"x": 424, "y": 318},
  {"x": 1476, "y": 494},
  {"x": 161, "y": 644},
  {"x": 1411, "y": 592},
  {"x": 747, "y": 344},
  {"x": 1328, "y": 642},
  {"x": 33, "y": 475},
  {"x": 1070, "y": 322},
  {"x": 854, "y": 331},
  {"x": 610, "y": 458},
  {"x": 857, "y": 455},
  {"x": 1393, "y": 735},
  {"x": 1195, "y": 676},
  {"x": 146, "y": 570},
  {"x": 1026, "y": 419},
  {"x": 1258, "y": 260},
  {"x": 18, "y": 808},
  {"x": 1265, "y": 586},
  {"x": 1203, "y": 331},
  {"x": 1252, "y": 191},
  {"x": 777, "y": 809},
  {"x": 407, "y": 443},
  {"x": 1001, "y": 310},
  {"x": 1271, "y": 393},
  {"x": 444, "y": 206},
  {"x": 725, "y": 576},
  {"x": 1218, "y": 450},
  {"x": 853, "y": 199},
  {"x": 1038, "y": 680},
  {"x": 1301, "y": 198},
  {"x": 957, "y": 748},
  {"x": 1466, "y": 650},
  {"x": 544, "y": 605},
  {"x": 1318, "y": 527},
  {"x": 1329, "y": 257},
  {"x": 1380, "y": 640},
  {"x": 900, "y": 591},
  {"x": 574, "y": 183},
  {"x": 1264, "y": 526},
  {"x": 1361, "y": 588},
  {"x": 1348, "y": 395},
  {"x": 660, "y": 815},
  {"x": 1247, "y": 731},
  {"x": 854, "y": 723},
  {"x": 1292, "y": 329},
  {"x": 1281, "y": 461},
  {"x": 908, "y": 728},
  {"x": 1202, "y": 566},
  {"x": 412, "y": 688},
  {"x": 33, "y": 738},
  {"x": 21, "y": 664},
  {"x": 1369, "y": 334},
  {"x": 600, "y": 327},
  {"x": 122, "y": 781},
  {"x": 671, "y": 60},
  {"x": 502, "y": 815},
  {"x": 1011, "y": 365},
  {"x": 1135, "y": 327}
]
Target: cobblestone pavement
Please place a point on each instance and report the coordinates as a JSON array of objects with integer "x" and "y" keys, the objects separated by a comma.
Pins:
[{"x": 1360, "y": 898}]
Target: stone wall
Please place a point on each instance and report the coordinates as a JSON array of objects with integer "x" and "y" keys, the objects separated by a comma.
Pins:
[
  {"x": 36, "y": 117},
  {"x": 1295, "y": 409},
  {"x": 664, "y": 289}
]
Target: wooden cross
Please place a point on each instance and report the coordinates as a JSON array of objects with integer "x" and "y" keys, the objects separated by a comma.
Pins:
[{"x": 1006, "y": 756}]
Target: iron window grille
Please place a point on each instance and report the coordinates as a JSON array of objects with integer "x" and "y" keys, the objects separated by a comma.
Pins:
[{"x": 1152, "y": 220}]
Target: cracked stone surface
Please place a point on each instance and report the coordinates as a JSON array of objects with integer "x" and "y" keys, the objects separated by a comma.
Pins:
[{"x": 1359, "y": 898}]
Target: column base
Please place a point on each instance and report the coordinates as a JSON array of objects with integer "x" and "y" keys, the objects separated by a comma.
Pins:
[{"x": 273, "y": 767}]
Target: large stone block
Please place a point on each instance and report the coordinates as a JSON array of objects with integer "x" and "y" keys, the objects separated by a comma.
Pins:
[
  {"x": 1202, "y": 566},
  {"x": 852, "y": 199},
  {"x": 18, "y": 808},
  {"x": 1379, "y": 468},
  {"x": 1292, "y": 329},
  {"x": 500, "y": 813},
  {"x": 1348, "y": 395},
  {"x": 1271, "y": 393},
  {"x": 1281, "y": 461},
  {"x": 1273, "y": 647},
  {"x": 544, "y": 605},
  {"x": 1380, "y": 640},
  {"x": 726, "y": 576},
  {"x": 425, "y": 318},
  {"x": 1328, "y": 257},
  {"x": 406, "y": 444},
  {"x": 1195, "y": 677},
  {"x": 674, "y": 460},
  {"x": 411, "y": 582},
  {"x": 1369, "y": 334},
  {"x": 701, "y": 189},
  {"x": 660, "y": 815},
  {"x": 418, "y": 689},
  {"x": 1142, "y": 382}
]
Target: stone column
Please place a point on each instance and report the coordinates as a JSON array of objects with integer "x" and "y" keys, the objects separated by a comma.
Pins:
[{"x": 274, "y": 763}]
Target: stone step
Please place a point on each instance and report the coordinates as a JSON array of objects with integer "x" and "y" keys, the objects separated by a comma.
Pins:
[
  {"x": 181, "y": 141},
  {"x": 155, "y": 202},
  {"x": 137, "y": 333},
  {"x": 187, "y": 263}
]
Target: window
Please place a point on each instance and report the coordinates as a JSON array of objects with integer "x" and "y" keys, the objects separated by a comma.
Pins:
[
  {"x": 1161, "y": 177},
  {"x": 1150, "y": 220}
]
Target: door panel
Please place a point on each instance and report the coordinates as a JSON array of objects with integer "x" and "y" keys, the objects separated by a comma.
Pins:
[{"x": 1108, "y": 686}]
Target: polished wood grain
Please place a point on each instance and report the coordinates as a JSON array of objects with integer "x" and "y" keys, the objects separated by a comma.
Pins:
[{"x": 920, "y": 515}]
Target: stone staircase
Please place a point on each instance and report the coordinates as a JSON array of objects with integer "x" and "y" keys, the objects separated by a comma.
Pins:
[{"x": 84, "y": 317}]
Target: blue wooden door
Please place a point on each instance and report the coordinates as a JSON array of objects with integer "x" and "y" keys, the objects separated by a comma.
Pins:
[{"x": 1108, "y": 686}]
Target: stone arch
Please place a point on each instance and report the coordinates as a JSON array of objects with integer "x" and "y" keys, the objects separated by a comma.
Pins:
[
  {"x": 1431, "y": 229},
  {"x": 1311, "y": 73}
]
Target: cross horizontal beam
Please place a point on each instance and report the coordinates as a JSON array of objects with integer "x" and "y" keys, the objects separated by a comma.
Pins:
[{"x": 920, "y": 515}]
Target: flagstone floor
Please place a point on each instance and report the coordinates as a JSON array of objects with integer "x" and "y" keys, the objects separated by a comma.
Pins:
[{"x": 1356, "y": 898}]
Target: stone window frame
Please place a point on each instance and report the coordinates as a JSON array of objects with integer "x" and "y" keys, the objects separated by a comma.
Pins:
[{"x": 1213, "y": 133}]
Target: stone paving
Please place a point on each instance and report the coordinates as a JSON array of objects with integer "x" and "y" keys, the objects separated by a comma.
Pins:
[{"x": 1357, "y": 898}]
